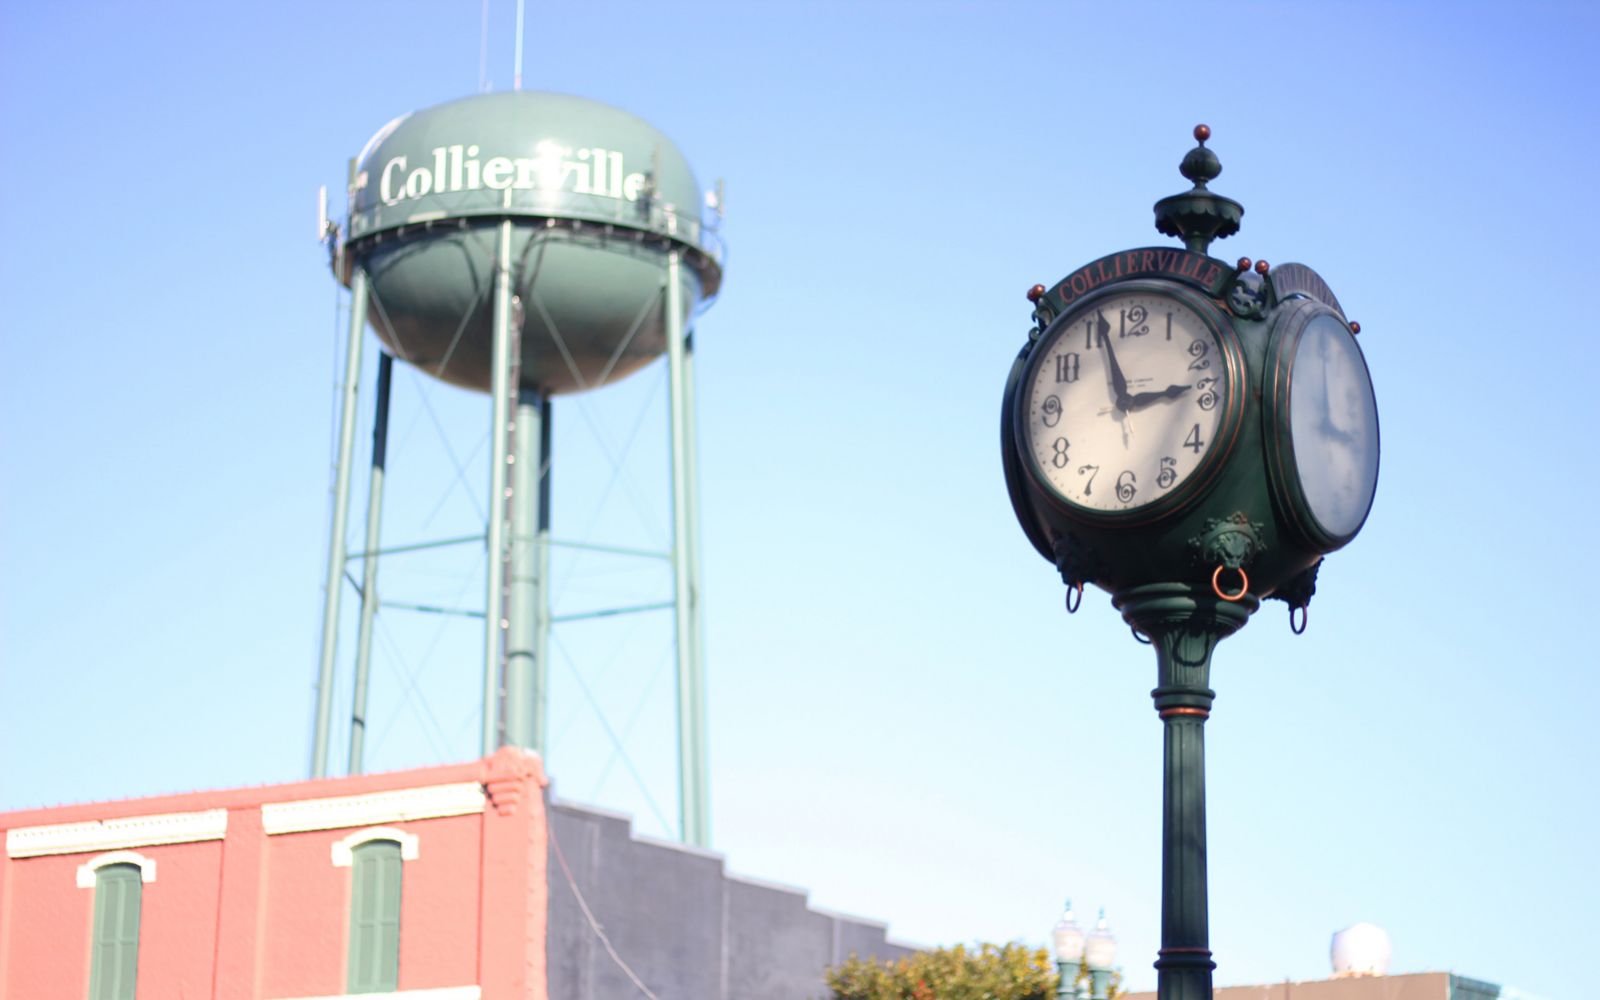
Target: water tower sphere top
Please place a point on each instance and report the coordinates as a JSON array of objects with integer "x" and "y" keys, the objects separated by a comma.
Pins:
[
  {"x": 597, "y": 201},
  {"x": 525, "y": 153}
]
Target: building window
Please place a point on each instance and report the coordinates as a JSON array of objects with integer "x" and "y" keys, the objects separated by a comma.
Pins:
[
  {"x": 344, "y": 848},
  {"x": 374, "y": 917},
  {"x": 115, "y": 960},
  {"x": 89, "y": 871}
]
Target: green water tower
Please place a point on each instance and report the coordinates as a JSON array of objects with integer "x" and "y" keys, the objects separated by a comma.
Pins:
[{"x": 525, "y": 245}]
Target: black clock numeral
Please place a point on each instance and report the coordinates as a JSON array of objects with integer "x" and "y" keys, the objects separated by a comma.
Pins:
[
  {"x": 1131, "y": 322},
  {"x": 1095, "y": 330},
  {"x": 1092, "y": 470},
  {"x": 1052, "y": 411},
  {"x": 1067, "y": 367},
  {"x": 1207, "y": 387},
  {"x": 1059, "y": 458},
  {"x": 1197, "y": 350},
  {"x": 1193, "y": 442},
  {"x": 1127, "y": 485},
  {"x": 1169, "y": 325},
  {"x": 1168, "y": 474}
]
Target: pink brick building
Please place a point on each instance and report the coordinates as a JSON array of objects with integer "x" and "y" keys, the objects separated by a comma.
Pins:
[
  {"x": 251, "y": 894},
  {"x": 443, "y": 883}
]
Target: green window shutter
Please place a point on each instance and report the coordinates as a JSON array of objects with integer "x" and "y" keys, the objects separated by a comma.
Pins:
[
  {"x": 375, "y": 918},
  {"x": 116, "y": 932}
]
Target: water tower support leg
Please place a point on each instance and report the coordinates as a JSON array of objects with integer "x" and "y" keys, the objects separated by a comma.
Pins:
[
  {"x": 697, "y": 657},
  {"x": 341, "y": 511},
  {"x": 499, "y": 434},
  {"x": 523, "y": 611},
  {"x": 693, "y": 814},
  {"x": 369, "y": 568}
]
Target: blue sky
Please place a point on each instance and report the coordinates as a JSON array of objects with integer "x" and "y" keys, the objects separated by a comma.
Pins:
[{"x": 903, "y": 720}]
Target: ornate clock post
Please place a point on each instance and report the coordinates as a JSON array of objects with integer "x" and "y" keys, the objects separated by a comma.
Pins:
[{"x": 1192, "y": 436}]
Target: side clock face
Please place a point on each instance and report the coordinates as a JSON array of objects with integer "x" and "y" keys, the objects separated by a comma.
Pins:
[
  {"x": 1327, "y": 448},
  {"x": 1129, "y": 402}
]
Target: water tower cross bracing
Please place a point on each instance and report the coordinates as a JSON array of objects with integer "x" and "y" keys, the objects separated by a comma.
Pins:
[{"x": 526, "y": 245}]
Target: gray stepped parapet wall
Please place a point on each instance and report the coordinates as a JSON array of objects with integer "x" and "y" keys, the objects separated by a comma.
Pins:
[{"x": 686, "y": 927}]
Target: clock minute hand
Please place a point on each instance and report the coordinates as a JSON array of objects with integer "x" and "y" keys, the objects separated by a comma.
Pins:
[
  {"x": 1142, "y": 399},
  {"x": 1119, "y": 384}
]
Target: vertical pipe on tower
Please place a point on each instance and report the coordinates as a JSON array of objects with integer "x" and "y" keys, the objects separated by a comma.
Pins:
[
  {"x": 526, "y": 583},
  {"x": 369, "y": 563},
  {"x": 495, "y": 596},
  {"x": 692, "y": 813},
  {"x": 541, "y": 607},
  {"x": 334, "y": 583}
]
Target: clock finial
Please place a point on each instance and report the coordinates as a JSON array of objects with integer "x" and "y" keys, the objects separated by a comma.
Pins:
[{"x": 1198, "y": 216}]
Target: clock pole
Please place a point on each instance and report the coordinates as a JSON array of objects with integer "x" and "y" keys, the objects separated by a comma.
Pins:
[{"x": 1184, "y": 624}]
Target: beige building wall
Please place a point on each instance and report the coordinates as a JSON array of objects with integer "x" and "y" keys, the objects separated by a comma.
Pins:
[{"x": 1419, "y": 986}]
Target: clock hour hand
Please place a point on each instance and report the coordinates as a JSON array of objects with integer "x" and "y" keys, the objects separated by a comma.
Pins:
[
  {"x": 1140, "y": 400},
  {"x": 1119, "y": 384},
  {"x": 1333, "y": 430}
]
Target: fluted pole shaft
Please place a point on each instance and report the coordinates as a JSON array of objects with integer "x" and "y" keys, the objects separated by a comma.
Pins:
[
  {"x": 1184, "y": 624},
  {"x": 1185, "y": 961}
]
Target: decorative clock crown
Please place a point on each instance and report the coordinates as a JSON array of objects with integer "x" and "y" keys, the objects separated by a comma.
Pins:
[{"x": 1198, "y": 216}]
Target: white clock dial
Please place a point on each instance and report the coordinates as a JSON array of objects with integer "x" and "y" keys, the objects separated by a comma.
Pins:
[
  {"x": 1125, "y": 401},
  {"x": 1333, "y": 426}
]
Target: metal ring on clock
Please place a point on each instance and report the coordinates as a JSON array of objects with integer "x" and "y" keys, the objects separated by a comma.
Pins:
[
  {"x": 1216, "y": 586},
  {"x": 1072, "y": 605},
  {"x": 1304, "y": 616}
]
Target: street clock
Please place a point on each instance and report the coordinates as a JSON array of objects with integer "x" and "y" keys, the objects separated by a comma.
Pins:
[
  {"x": 1193, "y": 436},
  {"x": 1178, "y": 418}
]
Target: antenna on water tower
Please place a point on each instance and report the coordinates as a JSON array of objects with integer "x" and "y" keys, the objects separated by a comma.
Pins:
[
  {"x": 516, "y": 72},
  {"x": 526, "y": 245}
]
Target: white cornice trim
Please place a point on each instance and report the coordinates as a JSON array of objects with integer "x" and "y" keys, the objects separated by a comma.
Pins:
[
  {"x": 110, "y": 834},
  {"x": 444, "y": 992},
  {"x": 344, "y": 849},
  {"x": 374, "y": 809},
  {"x": 90, "y": 870},
  {"x": 438, "y": 993}
]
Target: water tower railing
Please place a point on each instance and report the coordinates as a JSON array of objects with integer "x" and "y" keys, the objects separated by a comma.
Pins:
[{"x": 653, "y": 217}]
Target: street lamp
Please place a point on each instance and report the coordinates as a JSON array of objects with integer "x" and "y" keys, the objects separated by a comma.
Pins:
[{"x": 1074, "y": 950}]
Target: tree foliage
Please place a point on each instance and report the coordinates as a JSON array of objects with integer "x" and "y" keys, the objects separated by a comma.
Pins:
[{"x": 985, "y": 972}]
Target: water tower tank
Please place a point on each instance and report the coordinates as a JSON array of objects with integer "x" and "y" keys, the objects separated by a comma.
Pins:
[{"x": 598, "y": 198}]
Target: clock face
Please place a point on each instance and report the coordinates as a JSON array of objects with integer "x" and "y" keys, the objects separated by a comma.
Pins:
[
  {"x": 1333, "y": 426},
  {"x": 1125, "y": 401}
]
